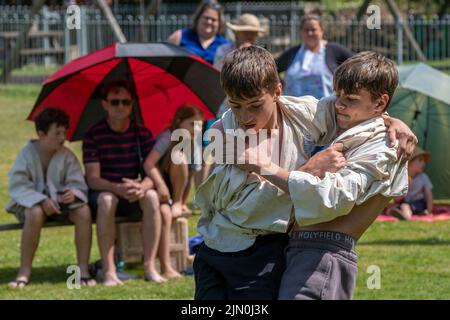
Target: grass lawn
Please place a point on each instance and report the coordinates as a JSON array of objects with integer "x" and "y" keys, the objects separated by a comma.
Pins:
[{"x": 414, "y": 257}]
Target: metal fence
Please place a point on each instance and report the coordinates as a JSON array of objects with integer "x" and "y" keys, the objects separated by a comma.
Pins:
[{"x": 51, "y": 44}]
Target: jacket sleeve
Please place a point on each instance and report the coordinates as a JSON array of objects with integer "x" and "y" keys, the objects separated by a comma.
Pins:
[
  {"x": 21, "y": 187},
  {"x": 74, "y": 178},
  {"x": 316, "y": 118},
  {"x": 341, "y": 52},
  {"x": 320, "y": 200},
  {"x": 283, "y": 62},
  {"x": 344, "y": 54}
]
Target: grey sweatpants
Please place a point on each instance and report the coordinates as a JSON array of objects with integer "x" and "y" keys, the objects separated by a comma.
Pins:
[{"x": 321, "y": 265}]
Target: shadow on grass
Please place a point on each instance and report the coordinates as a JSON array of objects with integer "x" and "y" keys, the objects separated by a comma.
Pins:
[
  {"x": 406, "y": 242},
  {"x": 48, "y": 274}
]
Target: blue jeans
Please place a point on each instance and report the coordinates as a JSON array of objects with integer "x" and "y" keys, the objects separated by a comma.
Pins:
[{"x": 418, "y": 206}]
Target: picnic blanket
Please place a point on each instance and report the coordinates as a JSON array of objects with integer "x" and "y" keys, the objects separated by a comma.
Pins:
[{"x": 441, "y": 212}]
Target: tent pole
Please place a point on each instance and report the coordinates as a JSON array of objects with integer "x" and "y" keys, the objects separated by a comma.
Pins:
[{"x": 425, "y": 134}]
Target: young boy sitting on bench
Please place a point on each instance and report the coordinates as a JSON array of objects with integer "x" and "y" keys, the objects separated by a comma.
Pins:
[{"x": 46, "y": 182}]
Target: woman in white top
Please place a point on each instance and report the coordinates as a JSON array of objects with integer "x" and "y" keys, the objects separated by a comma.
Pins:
[{"x": 309, "y": 67}]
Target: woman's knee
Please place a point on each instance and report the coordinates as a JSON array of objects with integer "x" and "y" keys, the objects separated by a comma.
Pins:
[{"x": 179, "y": 165}]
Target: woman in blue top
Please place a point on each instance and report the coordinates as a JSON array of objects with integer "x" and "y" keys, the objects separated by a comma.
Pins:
[{"x": 203, "y": 38}]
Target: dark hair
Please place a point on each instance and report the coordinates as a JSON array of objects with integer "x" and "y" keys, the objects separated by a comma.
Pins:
[
  {"x": 369, "y": 70},
  {"x": 248, "y": 71},
  {"x": 114, "y": 86},
  {"x": 186, "y": 111},
  {"x": 49, "y": 116},
  {"x": 208, "y": 4},
  {"x": 309, "y": 17}
]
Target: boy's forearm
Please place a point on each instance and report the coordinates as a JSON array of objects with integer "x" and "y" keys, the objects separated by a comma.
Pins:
[{"x": 279, "y": 176}]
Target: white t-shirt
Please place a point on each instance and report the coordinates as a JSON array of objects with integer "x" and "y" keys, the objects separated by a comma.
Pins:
[{"x": 309, "y": 75}]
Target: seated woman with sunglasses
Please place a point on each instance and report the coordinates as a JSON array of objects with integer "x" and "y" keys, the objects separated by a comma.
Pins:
[{"x": 203, "y": 38}]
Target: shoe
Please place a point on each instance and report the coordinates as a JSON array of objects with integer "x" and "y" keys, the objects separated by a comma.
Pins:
[{"x": 397, "y": 213}]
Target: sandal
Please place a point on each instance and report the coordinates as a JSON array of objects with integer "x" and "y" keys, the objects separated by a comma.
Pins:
[{"x": 18, "y": 284}]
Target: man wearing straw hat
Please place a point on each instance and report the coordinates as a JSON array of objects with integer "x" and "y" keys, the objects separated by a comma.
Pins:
[{"x": 246, "y": 31}]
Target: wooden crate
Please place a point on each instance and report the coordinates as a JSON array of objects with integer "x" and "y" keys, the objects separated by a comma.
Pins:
[{"x": 129, "y": 243}]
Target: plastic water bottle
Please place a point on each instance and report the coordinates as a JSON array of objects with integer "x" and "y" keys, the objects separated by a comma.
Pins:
[{"x": 120, "y": 265}]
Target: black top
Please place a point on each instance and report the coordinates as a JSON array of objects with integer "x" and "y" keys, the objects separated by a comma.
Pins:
[
  {"x": 335, "y": 54},
  {"x": 116, "y": 152}
]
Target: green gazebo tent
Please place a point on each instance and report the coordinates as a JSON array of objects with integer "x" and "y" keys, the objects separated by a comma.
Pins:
[{"x": 422, "y": 100}]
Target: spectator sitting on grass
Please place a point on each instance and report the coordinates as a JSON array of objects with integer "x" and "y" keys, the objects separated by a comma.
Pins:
[
  {"x": 47, "y": 183},
  {"x": 419, "y": 199}
]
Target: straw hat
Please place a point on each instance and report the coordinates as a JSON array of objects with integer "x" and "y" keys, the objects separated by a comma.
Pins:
[
  {"x": 420, "y": 152},
  {"x": 246, "y": 22}
]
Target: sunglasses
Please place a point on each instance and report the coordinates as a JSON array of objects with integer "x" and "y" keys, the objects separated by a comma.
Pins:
[
  {"x": 116, "y": 102},
  {"x": 212, "y": 4}
]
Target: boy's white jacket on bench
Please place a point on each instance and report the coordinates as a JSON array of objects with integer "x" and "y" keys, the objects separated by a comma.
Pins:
[{"x": 28, "y": 187}]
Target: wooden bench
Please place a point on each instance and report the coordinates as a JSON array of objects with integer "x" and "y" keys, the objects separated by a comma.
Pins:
[
  {"x": 129, "y": 243},
  {"x": 129, "y": 239}
]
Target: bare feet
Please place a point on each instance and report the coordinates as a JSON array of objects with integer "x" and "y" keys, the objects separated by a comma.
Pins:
[
  {"x": 111, "y": 280},
  {"x": 154, "y": 276},
  {"x": 171, "y": 274},
  {"x": 185, "y": 211},
  {"x": 18, "y": 283},
  {"x": 88, "y": 281},
  {"x": 398, "y": 213},
  {"x": 176, "y": 210}
]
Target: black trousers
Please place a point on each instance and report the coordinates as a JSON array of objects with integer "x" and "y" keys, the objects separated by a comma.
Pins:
[{"x": 254, "y": 273}]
